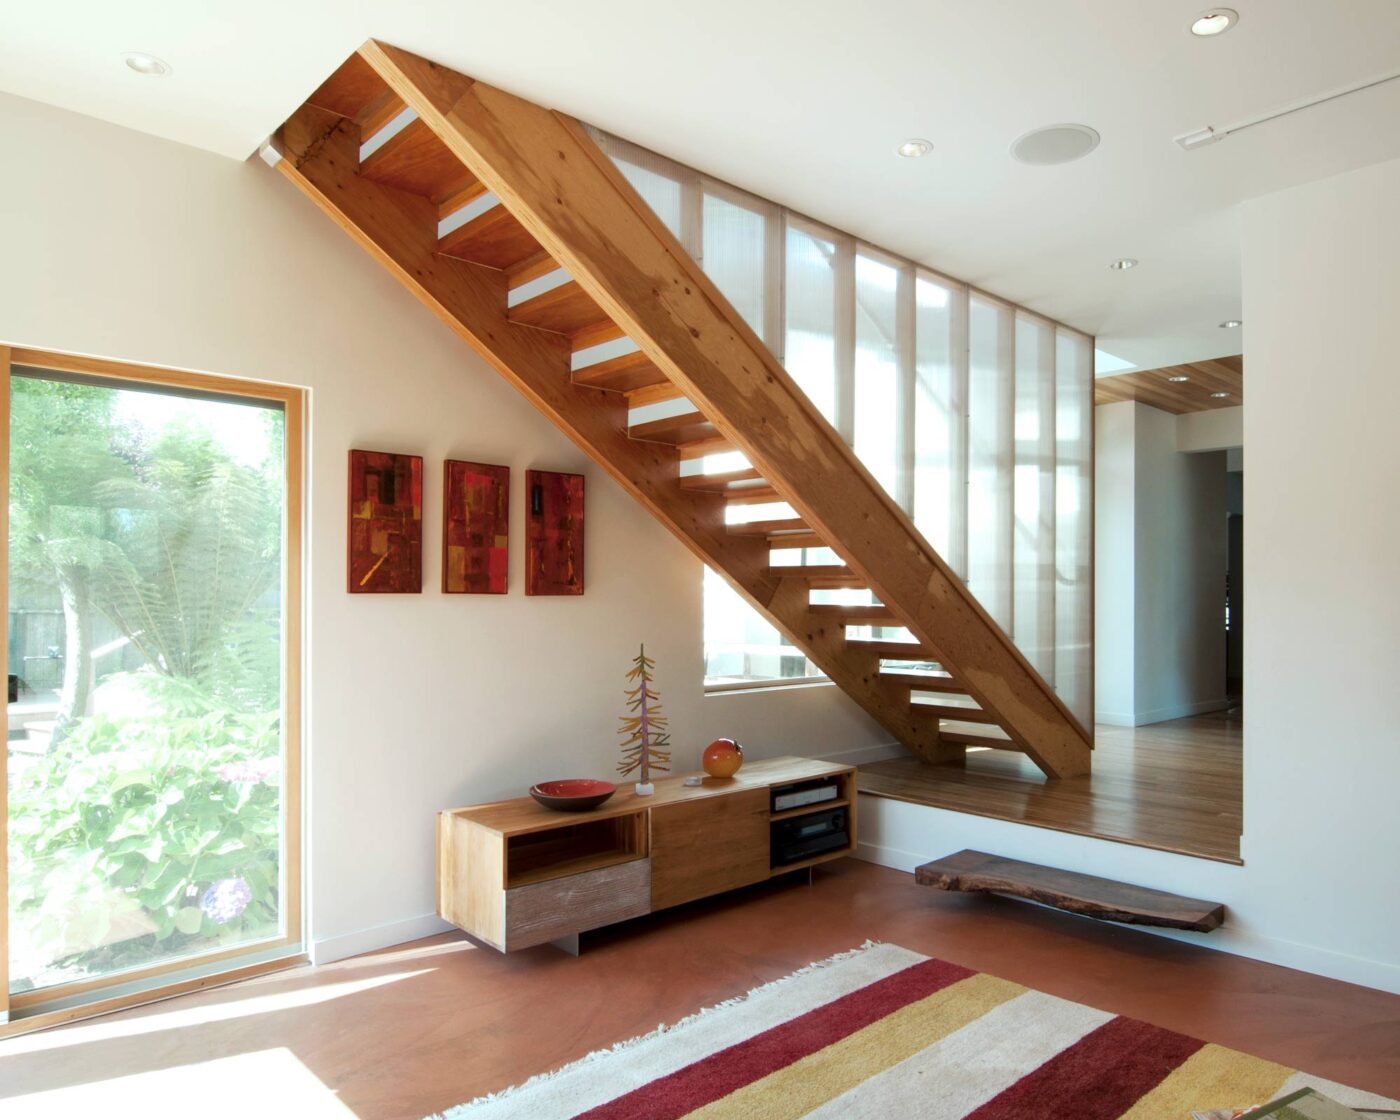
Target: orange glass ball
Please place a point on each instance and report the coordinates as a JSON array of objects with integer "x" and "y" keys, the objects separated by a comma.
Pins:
[{"x": 722, "y": 758}]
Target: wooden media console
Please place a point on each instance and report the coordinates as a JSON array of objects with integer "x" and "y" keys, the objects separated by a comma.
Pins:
[{"x": 515, "y": 874}]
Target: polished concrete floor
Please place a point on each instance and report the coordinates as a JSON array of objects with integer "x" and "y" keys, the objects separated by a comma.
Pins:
[
  {"x": 410, "y": 1031},
  {"x": 1177, "y": 786}
]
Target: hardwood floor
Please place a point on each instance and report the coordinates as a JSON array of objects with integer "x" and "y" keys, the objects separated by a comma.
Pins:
[
  {"x": 407, "y": 1032},
  {"x": 1176, "y": 785}
]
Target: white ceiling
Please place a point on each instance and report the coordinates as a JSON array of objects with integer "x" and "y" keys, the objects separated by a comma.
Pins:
[{"x": 805, "y": 102}]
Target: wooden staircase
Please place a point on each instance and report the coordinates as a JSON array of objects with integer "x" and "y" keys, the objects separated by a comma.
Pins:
[{"x": 508, "y": 221}]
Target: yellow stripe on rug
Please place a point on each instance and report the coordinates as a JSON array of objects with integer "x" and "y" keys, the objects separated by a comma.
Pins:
[
  {"x": 796, "y": 1090},
  {"x": 1212, "y": 1077}
]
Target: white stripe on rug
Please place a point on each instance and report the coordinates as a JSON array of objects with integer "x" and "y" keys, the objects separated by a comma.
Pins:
[
  {"x": 1342, "y": 1094},
  {"x": 607, "y": 1074},
  {"x": 958, "y": 1073}
]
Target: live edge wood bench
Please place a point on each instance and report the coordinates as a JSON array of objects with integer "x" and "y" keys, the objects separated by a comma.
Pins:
[{"x": 1068, "y": 890}]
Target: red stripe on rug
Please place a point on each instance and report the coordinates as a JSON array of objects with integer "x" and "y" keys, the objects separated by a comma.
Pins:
[
  {"x": 710, "y": 1079},
  {"x": 1100, "y": 1077}
]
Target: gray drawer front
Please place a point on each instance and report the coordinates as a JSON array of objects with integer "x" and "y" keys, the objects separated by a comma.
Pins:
[{"x": 555, "y": 908}]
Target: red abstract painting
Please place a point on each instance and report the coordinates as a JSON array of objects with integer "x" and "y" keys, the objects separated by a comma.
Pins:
[
  {"x": 553, "y": 533},
  {"x": 475, "y": 528},
  {"x": 385, "y": 551}
]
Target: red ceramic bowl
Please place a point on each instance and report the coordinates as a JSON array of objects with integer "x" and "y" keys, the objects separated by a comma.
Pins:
[{"x": 572, "y": 795}]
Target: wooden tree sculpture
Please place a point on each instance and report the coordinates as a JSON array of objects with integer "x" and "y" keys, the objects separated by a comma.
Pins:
[{"x": 644, "y": 726}]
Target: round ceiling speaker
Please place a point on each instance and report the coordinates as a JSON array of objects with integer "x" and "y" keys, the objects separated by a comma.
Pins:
[{"x": 1057, "y": 143}]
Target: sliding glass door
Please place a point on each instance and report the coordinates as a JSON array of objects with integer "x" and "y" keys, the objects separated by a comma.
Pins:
[{"x": 153, "y": 595}]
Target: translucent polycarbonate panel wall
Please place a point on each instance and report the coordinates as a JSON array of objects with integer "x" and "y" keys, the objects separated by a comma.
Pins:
[
  {"x": 1074, "y": 522},
  {"x": 660, "y": 181},
  {"x": 880, "y": 371},
  {"x": 809, "y": 336},
  {"x": 1033, "y": 544},
  {"x": 940, "y": 417},
  {"x": 740, "y": 251},
  {"x": 990, "y": 459},
  {"x": 975, "y": 416}
]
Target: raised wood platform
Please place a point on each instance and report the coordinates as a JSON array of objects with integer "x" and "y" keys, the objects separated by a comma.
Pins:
[
  {"x": 1175, "y": 786},
  {"x": 1088, "y": 895}
]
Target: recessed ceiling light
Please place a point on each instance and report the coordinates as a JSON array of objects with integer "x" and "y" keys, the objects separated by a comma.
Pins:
[
  {"x": 1214, "y": 21},
  {"x": 1122, "y": 264},
  {"x": 913, "y": 149},
  {"x": 1220, "y": 396},
  {"x": 147, "y": 64},
  {"x": 1231, "y": 324},
  {"x": 1178, "y": 377},
  {"x": 1056, "y": 143}
]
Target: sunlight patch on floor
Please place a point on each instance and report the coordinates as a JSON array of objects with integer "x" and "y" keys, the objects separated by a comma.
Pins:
[
  {"x": 104, "y": 1029},
  {"x": 270, "y": 1083},
  {"x": 398, "y": 956}
]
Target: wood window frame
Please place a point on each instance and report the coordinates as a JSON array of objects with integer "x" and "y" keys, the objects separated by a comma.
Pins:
[{"x": 50, "y": 1006}]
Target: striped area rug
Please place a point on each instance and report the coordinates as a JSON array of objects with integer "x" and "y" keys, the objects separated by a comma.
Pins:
[{"x": 886, "y": 1033}]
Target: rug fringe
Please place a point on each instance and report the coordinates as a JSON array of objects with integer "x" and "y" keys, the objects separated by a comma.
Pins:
[{"x": 663, "y": 1029}]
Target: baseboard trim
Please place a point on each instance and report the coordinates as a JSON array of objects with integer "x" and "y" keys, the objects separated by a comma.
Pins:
[
  {"x": 1160, "y": 715},
  {"x": 862, "y": 755},
  {"x": 1115, "y": 719},
  {"x": 337, "y": 948}
]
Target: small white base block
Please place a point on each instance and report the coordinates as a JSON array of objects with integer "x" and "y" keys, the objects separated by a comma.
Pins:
[{"x": 644, "y": 789}]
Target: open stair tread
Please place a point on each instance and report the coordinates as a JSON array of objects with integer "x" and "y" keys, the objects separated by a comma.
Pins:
[
  {"x": 566, "y": 309},
  {"x": 716, "y": 444},
  {"x": 624, "y": 374},
  {"x": 959, "y": 712},
  {"x": 895, "y": 651},
  {"x": 925, "y": 682},
  {"x": 415, "y": 160},
  {"x": 1071, "y": 891},
  {"x": 857, "y": 614},
  {"x": 658, "y": 393},
  {"x": 779, "y": 528},
  {"x": 495, "y": 239},
  {"x": 753, "y": 495},
  {"x": 808, "y": 539},
  {"x": 817, "y": 575},
  {"x": 720, "y": 482},
  {"x": 963, "y": 733},
  {"x": 685, "y": 428}
]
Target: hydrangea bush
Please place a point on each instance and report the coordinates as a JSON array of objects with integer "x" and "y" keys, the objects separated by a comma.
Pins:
[{"x": 148, "y": 836}]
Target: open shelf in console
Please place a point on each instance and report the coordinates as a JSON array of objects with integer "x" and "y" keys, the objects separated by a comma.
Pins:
[
  {"x": 837, "y": 790},
  {"x": 576, "y": 846}
]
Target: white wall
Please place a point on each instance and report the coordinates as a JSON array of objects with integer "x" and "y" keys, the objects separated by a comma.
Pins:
[
  {"x": 1322, "y": 555},
  {"x": 1159, "y": 569},
  {"x": 127, "y": 247},
  {"x": 1320, "y": 885},
  {"x": 1216, "y": 429},
  {"x": 1115, "y": 563},
  {"x": 1179, "y": 663}
]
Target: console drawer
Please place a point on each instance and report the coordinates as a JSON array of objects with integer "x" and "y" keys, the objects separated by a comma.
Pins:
[{"x": 555, "y": 908}]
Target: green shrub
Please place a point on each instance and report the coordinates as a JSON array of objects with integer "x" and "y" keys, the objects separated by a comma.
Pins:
[{"x": 164, "y": 823}]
